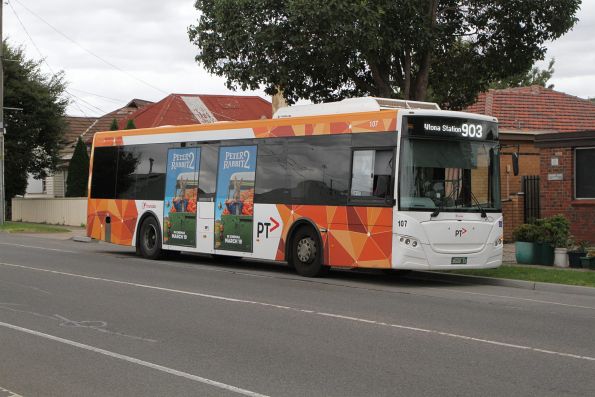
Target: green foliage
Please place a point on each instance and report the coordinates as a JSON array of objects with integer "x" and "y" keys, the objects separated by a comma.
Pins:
[
  {"x": 554, "y": 230},
  {"x": 33, "y": 135},
  {"x": 130, "y": 125},
  {"x": 532, "y": 273},
  {"x": 445, "y": 50},
  {"x": 78, "y": 171},
  {"x": 526, "y": 232},
  {"x": 534, "y": 76},
  {"x": 114, "y": 125}
]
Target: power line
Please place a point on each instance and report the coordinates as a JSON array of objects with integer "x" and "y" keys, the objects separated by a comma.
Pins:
[
  {"x": 44, "y": 60},
  {"x": 88, "y": 51},
  {"x": 99, "y": 96}
]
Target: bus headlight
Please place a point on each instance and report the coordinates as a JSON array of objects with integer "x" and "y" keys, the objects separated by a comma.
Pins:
[{"x": 408, "y": 241}]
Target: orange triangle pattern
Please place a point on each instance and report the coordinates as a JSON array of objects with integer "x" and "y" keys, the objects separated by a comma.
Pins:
[
  {"x": 355, "y": 236},
  {"x": 351, "y": 125},
  {"x": 123, "y": 214}
]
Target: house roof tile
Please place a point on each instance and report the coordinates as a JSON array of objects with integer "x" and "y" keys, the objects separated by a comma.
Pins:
[
  {"x": 183, "y": 109},
  {"x": 536, "y": 108}
]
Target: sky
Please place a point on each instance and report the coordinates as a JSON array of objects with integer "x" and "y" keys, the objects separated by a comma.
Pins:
[{"x": 112, "y": 51}]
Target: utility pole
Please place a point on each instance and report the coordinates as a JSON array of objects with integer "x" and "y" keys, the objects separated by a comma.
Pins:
[{"x": 2, "y": 129}]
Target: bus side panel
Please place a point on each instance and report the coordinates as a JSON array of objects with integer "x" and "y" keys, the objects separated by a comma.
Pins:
[
  {"x": 123, "y": 216},
  {"x": 352, "y": 236}
]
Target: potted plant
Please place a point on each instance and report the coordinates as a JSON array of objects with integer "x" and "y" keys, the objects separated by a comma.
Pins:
[
  {"x": 577, "y": 251},
  {"x": 525, "y": 237},
  {"x": 588, "y": 262},
  {"x": 557, "y": 228}
]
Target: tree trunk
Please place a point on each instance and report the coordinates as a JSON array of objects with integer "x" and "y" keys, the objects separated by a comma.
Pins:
[
  {"x": 381, "y": 81},
  {"x": 407, "y": 76},
  {"x": 423, "y": 74}
]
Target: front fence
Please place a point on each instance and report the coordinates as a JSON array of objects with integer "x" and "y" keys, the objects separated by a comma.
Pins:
[{"x": 56, "y": 211}]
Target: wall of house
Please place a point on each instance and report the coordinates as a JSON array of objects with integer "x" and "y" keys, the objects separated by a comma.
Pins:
[
  {"x": 55, "y": 184},
  {"x": 510, "y": 185},
  {"x": 557, "y": 193},
  {"x": 57, "y": 211},
  {"x": 528, "y": 165},
  {"x": 513, "y": 212}
]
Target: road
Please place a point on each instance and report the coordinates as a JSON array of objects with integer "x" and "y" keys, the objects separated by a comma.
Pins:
[{"x": 95, "y": 320}]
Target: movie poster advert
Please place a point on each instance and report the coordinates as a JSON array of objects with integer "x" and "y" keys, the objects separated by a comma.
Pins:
[
  {"x": 181, "y": 189},
  {"x": 234, "y": 206}
]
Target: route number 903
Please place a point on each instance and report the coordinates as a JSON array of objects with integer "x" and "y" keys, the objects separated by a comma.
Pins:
[{"x": 472, "y": 130}]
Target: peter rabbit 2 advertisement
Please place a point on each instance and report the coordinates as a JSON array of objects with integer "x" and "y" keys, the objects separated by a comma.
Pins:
[
  {"x": 181, "y": 188},
  {"x": 234, "y": 206}
]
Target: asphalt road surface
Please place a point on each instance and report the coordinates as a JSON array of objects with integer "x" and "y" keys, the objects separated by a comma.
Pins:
[{"x": 93, "y": 319}]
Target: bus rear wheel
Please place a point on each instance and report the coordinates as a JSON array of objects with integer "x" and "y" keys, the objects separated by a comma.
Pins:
[
  {"x": 149, "y": 240},
  {"x": 306, "y": 253}
]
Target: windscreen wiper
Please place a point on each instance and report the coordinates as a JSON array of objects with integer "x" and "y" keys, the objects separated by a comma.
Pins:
[
  {"x": 441, "y": 205},
  {"x": 483, "y": 212}
]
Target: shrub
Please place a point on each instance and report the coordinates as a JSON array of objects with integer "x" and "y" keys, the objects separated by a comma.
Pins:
[
  {"x": 555, "y": 230},
  {"x": 526, "y": 232}
]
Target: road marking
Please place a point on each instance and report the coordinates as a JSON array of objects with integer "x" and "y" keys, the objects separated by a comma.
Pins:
[
  {"x": 39, "y": 248},
  {"x": 133, "y": 360},
  {"x": 522, "y": 299},
  {"x": 9, "y": 393},
  {"x": 313, "y": 312}
]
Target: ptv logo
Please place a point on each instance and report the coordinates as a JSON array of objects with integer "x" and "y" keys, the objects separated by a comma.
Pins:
[
  {"x": 460, "y": 232},
  {"x": 265, "y": 227}
]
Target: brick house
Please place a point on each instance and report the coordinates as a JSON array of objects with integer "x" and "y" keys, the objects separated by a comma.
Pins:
[
  {"x": 531, "y": 120},
  {"x": 568, "y": 179}
]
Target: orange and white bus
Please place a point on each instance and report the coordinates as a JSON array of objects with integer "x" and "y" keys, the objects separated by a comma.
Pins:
[{"x": 361, "y": 183}]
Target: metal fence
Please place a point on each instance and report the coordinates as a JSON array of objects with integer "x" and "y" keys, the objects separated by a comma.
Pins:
[{"x": 531, "y": 190}]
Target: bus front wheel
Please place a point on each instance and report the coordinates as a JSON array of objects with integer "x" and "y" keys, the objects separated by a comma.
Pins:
[
  {"x": 306, "y": 253},
  {"x": 150, "y": 239}
]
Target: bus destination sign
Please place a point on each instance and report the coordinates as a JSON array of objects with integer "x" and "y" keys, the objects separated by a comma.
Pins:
[{"x": 451, "y": 127}]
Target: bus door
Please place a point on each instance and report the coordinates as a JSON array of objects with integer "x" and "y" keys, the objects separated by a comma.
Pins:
[
  {"x": 234, "y": 202},
  {"x": 181, "y": 189}
]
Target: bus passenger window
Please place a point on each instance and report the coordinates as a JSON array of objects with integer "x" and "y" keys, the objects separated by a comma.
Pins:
[{"x": 372, "y": 174}]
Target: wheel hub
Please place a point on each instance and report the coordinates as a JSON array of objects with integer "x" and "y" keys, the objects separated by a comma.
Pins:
[
  {"x": 150, "y": 237},
  {"x": 306, "y": 250}
]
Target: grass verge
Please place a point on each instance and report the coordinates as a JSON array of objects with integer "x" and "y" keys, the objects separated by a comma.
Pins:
[
  {"x": 579, "y": 277},
  {"x": 23, "y": 227}
]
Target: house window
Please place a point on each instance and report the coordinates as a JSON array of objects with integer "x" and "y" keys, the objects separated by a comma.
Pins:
[{"x": 584, "y": 181}]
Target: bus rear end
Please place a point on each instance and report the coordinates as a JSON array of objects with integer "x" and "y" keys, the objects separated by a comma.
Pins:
[{"x": 448, "y": 213}]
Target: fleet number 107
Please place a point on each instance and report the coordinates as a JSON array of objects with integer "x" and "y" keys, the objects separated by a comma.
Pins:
[{"x": 472, "y": 130}]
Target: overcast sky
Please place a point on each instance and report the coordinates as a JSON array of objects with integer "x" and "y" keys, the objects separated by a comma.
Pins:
[{"x": 140, "y": 49}]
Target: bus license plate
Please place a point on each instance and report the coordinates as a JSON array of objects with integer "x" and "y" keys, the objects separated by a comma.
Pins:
[{"x": 458, "y": 260}]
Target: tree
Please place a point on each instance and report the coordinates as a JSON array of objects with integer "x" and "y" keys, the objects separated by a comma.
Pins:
[
  {"x": 327, "y": 50},
  {"x": 114, "y": 125},
  {"x": 78, "y": 171},
  {"x": 33, "y": 134},
  {"x": 130, "y": 125},
  {"x": 534, "y": 76}
]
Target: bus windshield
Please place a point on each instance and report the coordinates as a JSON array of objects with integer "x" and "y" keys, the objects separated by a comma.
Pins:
[{"x": 449, "y": 175}]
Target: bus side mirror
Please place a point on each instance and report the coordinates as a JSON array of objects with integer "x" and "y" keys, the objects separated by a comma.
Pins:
[{"x": 515, "y": 163}]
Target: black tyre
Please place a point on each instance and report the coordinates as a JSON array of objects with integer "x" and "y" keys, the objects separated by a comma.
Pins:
[
  {"x": 149, "y": 239},
  {"x": 306, "y": 253}
]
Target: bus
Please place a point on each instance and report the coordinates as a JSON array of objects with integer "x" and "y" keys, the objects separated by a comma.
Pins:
[{"x": 359, "y": 183}]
